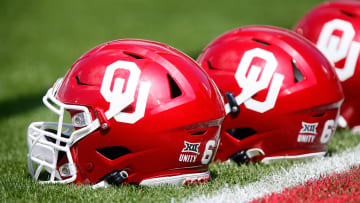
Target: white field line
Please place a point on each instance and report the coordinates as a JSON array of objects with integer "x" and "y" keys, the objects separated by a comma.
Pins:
[{"x": 293, "y": 176}]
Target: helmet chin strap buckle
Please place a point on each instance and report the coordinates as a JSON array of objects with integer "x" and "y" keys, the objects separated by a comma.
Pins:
[
  {"x": 234, "y": 107},
  {"x": 244, "y": 156},
  {"x": 240, "y": 157},
  {"x": 116, "y": 177}
]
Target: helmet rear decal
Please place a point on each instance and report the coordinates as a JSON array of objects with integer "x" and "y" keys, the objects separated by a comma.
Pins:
[
  {"x": 309, "y": 128},
  {"x": 309, "y": 132},
  {"x": 328, "y": 131},
  {"x": 190, "y": 152},
  {"x": 191, "y": 147}
]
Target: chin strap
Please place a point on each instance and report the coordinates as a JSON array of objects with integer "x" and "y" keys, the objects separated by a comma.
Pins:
[
  {"x": 114, "y": 178},
  {"x": 234, "y": 107},
  {"x": 244, "y": 156},
  {"x": 240, "y": 157}
]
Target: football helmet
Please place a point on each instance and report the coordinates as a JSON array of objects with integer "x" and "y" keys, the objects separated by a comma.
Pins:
[
  {"x": 282, "y": 95},
  {"x": 140, "y": 112},
  {"x": 335, "y": 29}
]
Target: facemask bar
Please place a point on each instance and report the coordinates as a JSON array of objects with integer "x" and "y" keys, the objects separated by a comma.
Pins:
[{"x": 44, "y": 145}]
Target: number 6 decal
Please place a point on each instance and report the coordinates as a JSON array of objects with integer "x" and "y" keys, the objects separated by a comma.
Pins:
[
  {"x": 327, "y": 131},
  {"x": 118, "y": 99},
  {"x": 206, "y": 158}
]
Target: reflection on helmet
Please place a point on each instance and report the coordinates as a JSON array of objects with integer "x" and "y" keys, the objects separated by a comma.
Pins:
[
  {"x": 282, "y": 96},
  {"x": 141, "y": 112},
  {"x": 335, "y": 29}
]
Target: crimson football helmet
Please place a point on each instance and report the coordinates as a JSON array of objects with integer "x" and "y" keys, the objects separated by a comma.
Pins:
[
  {"x": 282, "y": 95},
  {"x": 140, "y": 112},
  {"x": 335, "y": 29}
]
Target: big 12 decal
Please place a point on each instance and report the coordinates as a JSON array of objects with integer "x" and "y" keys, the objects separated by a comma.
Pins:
[
  {"x": 339, "y": 47},
  {"x": 308, "y": 132},
  {"x": 120, "y": 99},
  {"x": 250, "y": 84}
]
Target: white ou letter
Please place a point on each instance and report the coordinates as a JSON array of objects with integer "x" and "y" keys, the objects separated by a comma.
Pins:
[
  {"x": 118, "y": 99},
  {"x": 337, "y": 48},
  {"x": 250, "y": 85}
]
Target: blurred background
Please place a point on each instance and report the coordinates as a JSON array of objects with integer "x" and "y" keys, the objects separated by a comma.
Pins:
[{"x": 40, "y": 39}]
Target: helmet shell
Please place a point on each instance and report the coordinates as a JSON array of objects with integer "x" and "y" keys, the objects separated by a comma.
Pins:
[
  {"x": 282, "y": 83},
  {"x": 335, "y": 29},
  {"x": 182, "y": 105}
]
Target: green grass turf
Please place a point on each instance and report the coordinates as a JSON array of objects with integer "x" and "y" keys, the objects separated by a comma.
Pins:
[{"x": 39, "y": 40}]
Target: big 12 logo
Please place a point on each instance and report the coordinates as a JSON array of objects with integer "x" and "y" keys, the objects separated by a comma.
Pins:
[
  {"x": 249, "y": 79},
  {"x": 340, "y": 46}
]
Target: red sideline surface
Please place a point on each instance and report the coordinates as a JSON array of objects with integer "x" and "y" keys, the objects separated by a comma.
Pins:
[{"x": 343, "y": 187}]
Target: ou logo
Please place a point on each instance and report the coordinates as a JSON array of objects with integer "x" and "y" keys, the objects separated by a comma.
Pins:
[
  {"x": 337, "y": 48},
  {"x": 250, "y": 84},
  {"x": 120, "y": 99}
]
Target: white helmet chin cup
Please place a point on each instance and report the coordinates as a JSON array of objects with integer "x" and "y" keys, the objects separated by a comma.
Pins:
[{"x": 47, "y": 139}]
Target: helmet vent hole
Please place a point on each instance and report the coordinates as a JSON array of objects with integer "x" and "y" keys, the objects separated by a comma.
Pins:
[
  {"x": 318, "y": 114},
  {"x": 201, "y": 132},
  {"x": 298, "y": 76},
  {"x": 134, "y": 55},
  {"x": 348, "y": 13},
  {"x": 241, "y": 133},
  {"x": 210, "y": 66},
  {"x": 113, "y": 153},
  {"x": 174, "y": 88},
  {"x": 79, "y": 82},
  {"x": 261, "y": 42}
]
